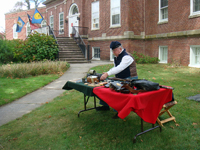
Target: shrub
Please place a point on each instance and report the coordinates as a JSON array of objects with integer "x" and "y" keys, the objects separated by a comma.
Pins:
[
  {"x": 36, "y": 47},
  {"x": 6, "y": 48},
  {"x": 144, "y": 59}
]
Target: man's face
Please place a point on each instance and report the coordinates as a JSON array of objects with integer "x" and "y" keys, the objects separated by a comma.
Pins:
[{"x": 117, "y": 51}]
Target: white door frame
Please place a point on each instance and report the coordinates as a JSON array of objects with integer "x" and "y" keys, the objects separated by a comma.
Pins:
[{"x": 72, "y": 18}]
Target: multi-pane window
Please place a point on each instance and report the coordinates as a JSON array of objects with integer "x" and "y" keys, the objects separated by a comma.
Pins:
[
  {"x": 51, "y": 22},
  {"x": 61, "y": 23},
  {"x": 95, "y": 15},
  {"x": 15, "y": 34},
  {"x": 163, "y": 7},
  {"x": 115, "y": 12},
  {"x": 194, "y": 7},
  {"x": 28, "y": 29},
  {"x": 163, "y": 54},
  {"x": 195, "y": 56},
  {"x": 96, "y": 53}
]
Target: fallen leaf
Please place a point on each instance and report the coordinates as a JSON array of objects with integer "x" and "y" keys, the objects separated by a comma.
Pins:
[
  {"x": 14, "y": 138},
  {"x": 141, "y": 140},
  {"x": 49, "y": 116},
  {"x": 80, "y": 137},
  {"x": 172, "y": 127},
  {"x": 177, "y": 124},
  {"x": 194, "y": 123}
]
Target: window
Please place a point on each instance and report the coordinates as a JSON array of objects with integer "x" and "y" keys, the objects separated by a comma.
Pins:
[
  {"x": 195, "y": 56},
  {"x": 15, "y": 34},
  {"x": 95, "y": 15},
  {"x": 111, "y": 55},
  {"x": 163, "y": 54},
  {"x": 163, "y": 10},
  {"x": 194, "y": 7},
  {"x": 28, "y": 29},
  {"x": 61, "y": 23},
  {"x": 51, "y": 22},
  {"x": 96, "y": 53},
  {"x": 115, "y": 12}
]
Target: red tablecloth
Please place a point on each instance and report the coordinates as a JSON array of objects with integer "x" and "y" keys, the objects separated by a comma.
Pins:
[{"x": 147, "y": 105}]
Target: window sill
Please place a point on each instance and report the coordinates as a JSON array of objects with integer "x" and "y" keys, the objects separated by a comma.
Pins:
[
  {"x": 95, "y": 58},
  {"x": 195, "y": 66},
  {"x": 116, "y": 26},
  {"x": 95, "y": 29},
  {"x": 162, "y": 22},
  {"x": 163, "y": 62},
  {"x": 194, "y": 16}
]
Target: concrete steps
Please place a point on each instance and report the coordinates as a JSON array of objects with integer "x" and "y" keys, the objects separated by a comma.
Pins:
[{"x": 69, "y": 51}]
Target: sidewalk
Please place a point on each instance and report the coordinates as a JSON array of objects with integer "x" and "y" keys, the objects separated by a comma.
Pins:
[{"x": 35, "y": 99}]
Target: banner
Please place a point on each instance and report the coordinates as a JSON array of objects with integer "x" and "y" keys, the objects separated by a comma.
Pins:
[
  {"x": 37, "y": 17},
  {"x": 20, "y": 24},
  {"x": 32, "y": 25}
]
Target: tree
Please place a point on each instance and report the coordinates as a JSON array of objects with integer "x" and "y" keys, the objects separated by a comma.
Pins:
[{"x": 26, "y": 3}]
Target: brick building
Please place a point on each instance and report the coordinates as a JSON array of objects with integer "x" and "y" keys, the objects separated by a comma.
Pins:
[{"x": 158, "y": 28}]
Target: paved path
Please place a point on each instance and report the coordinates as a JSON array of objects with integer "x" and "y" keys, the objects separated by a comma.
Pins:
[{"x": 33, "y": 100}]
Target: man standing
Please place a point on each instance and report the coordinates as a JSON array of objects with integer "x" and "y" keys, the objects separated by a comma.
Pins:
[{"x": 124, "y": 68}]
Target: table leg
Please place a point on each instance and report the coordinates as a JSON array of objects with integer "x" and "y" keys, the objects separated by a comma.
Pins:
[
  {"x": 86, "y": 99},
  {"x": 142, "y": 130}
]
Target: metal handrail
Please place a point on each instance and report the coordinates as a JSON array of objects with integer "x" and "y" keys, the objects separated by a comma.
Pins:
[{"x": 79, "y": 40}]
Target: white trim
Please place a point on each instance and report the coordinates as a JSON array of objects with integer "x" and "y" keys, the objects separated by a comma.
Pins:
[
  {"x": 28, "y": 26},
  {"x": 92, "y": 28},
  {"x": 93, "y": 53},
  {"x": 159, "y": 55},
  {"x": 116, "y": 25},
  {"x": 160, "y": 21},
  {"x": 193, "y": 14},
  {"x": 192, "y": 63},
  {"x": 15, "y": 34},
  {"x": 59, "y": 24},
  {"x": 52, "y": 16},
  {"x": 111, "y": 54}
]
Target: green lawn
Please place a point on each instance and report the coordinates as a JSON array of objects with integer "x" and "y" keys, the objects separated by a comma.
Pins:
[
  {"x": 12, "y": 89},
  {"x": 56, "y": 125}
]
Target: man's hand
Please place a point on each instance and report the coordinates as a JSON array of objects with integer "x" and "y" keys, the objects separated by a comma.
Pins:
[{"x": 104, "y": 76}]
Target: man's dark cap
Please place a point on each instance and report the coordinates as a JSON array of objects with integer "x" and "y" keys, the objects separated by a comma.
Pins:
[{"x": 114, "y": 44}]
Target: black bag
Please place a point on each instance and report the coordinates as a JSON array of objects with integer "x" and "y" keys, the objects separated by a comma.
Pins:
[{"x": 145, "y": 85}]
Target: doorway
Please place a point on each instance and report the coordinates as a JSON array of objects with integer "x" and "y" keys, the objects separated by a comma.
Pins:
[{"x": 73, "y": 15}]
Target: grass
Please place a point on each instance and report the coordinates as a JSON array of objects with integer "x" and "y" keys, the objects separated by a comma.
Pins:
[
  {"x": 12, "y": 89},
  {"x": 56, "y": 126},
  {"x": 20, "y": 79}
]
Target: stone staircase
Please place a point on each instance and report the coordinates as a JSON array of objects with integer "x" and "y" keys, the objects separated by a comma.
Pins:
[{"x": 69, "y": 51}]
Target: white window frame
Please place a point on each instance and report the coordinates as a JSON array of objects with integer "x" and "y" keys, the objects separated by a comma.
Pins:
[
  {"x": 160, "y": 13},
  {"x": 93, "y": 57},
  {"x": 111, "y": 55},
  {"x": 28, "y": 28},
  {"x": 161, "y": 48},
  {"x": 51, "y": 22},
  {"x": 192, "y": 56},
  {"x": 112, "y": 13},
  {"x": 192, "y": 13},
  {"x": 61, "y": 28},
  {"x": 95, "y": 10},
  {"x": 15, "y": 34}
]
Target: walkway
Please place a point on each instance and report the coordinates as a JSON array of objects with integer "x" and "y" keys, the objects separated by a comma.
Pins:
[{"x": 35, "y": 99}]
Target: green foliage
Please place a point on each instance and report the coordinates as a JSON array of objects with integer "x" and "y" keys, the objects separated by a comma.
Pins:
[
  {"x": 36, "y": 47},
  {"x": 6, "y": 50},
  {"x": 144, "y": 59}
]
